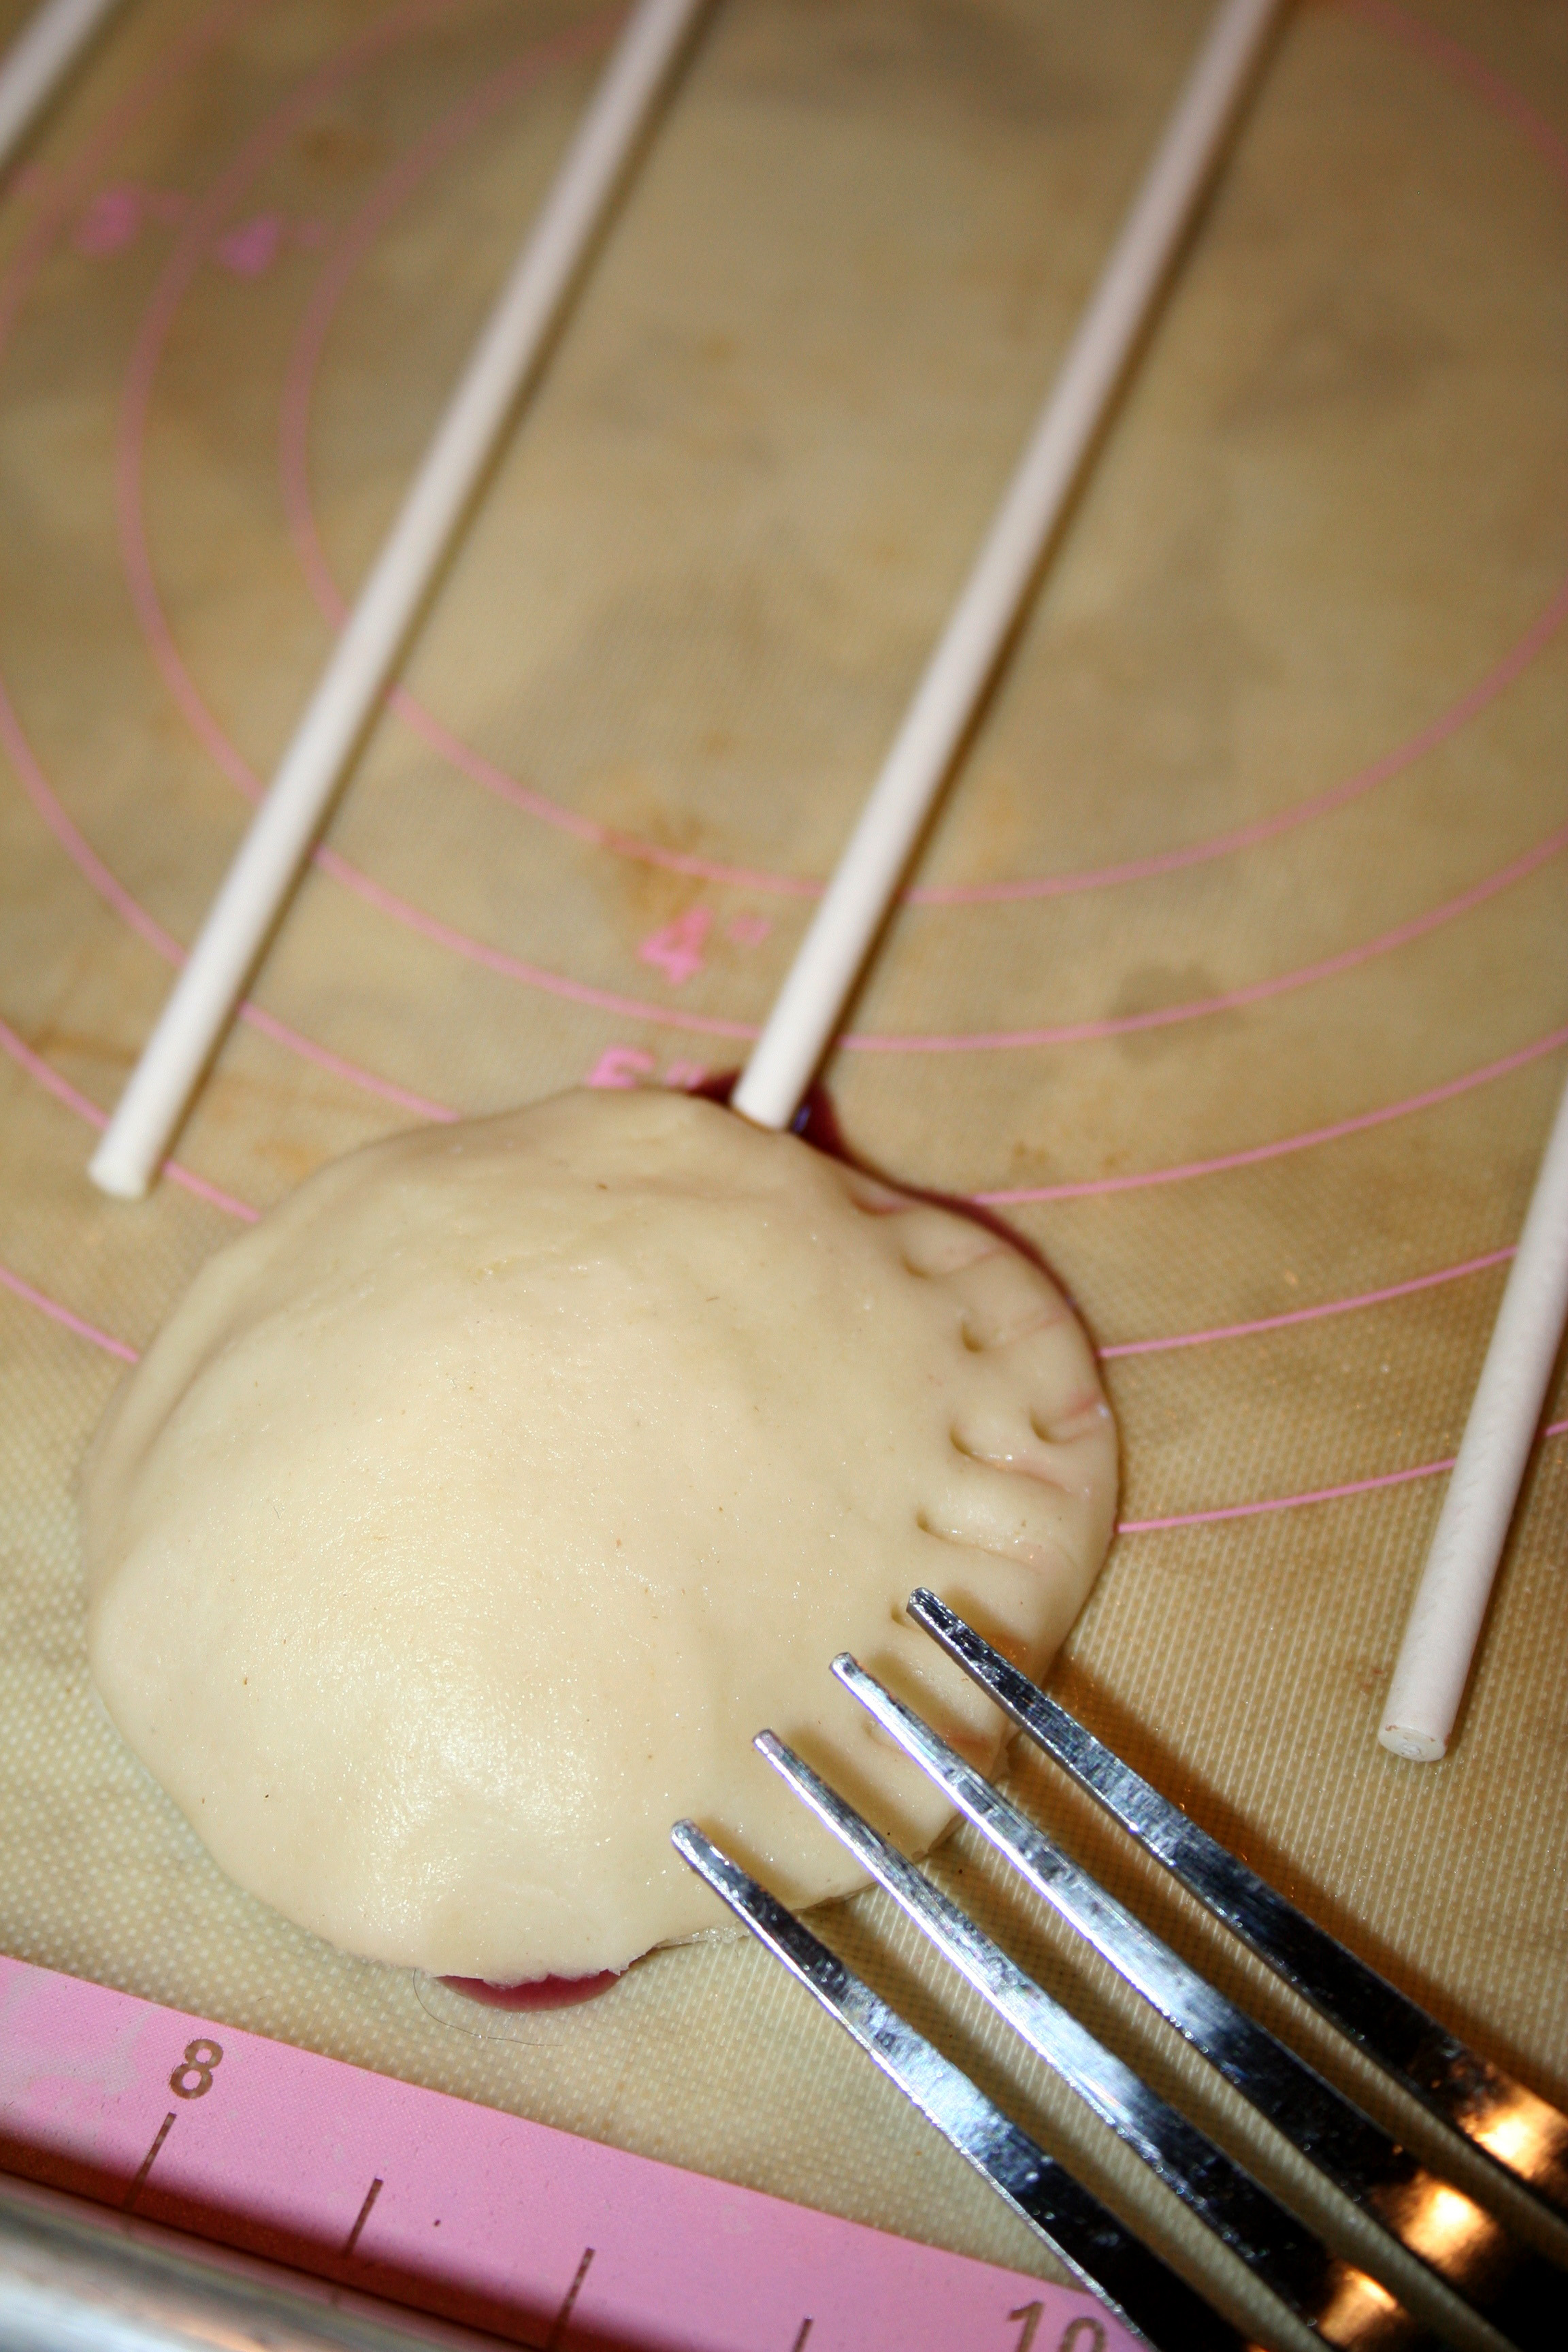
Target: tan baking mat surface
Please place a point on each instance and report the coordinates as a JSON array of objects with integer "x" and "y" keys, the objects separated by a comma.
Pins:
[{"x": 1278, "y": 763}]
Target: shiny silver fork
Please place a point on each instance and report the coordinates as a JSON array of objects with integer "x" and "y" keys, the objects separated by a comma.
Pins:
[{"x": 1521, "y": 2299}]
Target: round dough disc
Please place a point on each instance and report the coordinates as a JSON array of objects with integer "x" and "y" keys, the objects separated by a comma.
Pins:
[{"x": 475, "y": 1509}]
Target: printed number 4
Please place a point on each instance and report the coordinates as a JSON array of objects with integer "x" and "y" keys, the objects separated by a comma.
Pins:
[
  {"x": 200, "y": 2059},
  {"x": 677, "y": 951}
]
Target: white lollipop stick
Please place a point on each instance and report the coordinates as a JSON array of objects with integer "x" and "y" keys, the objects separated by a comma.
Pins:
[
  {"x": 857, "y": 899},
  {"x": 284, "y": 827},
  {"x": 1444, "y": 1621},
  {"x": 38, "y": 60}
]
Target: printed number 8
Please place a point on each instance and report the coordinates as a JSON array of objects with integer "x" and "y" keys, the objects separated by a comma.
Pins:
[{"x": 201, "y": 2057}]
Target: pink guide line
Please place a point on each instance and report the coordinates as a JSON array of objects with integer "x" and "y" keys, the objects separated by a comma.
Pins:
[
  {"x": 212, "y": 1194},
  {"x": 511, "y": 967},
  {"x": 294, "y": 467},
  {"x": 1257, "y": 992},
  {"x": 144, "y": 592},
  {"x": 179, "y": 272},
  {"x": 189, "y": 252},
  {"x": 331, "y": 283},
  {"x": 603, "y": 1000},
  {"x": 1310, "y": 1314},
  {"x": 1099, "y": 1186},
  {"x": 337, "y": 1065},
  {"x": 88, "y": 864},
  {"x": 58, "y": 1314},
  {"x": 1462, "y": 65},
  {"x": 1265, "y": 1152},
  {"x": 294, "y": 462},
  {"x": 39, "y": 1071},
  {"x": 64, "y": 1092},
  {"x": 1317, "y": 1494},
  {"x": 1380, "y": 770},
  {"x": 537, "y": 976},
  {"x": 13, "y": 287},
  {"x": 107, "y": 884},
  {"x": 614, "y": 1003},
  {"x": 92, "y": 869},
  {"x": 155, "y": 626}
]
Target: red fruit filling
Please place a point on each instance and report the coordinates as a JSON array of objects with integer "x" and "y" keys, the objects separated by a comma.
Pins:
[{"x": 544, "y": 1993}]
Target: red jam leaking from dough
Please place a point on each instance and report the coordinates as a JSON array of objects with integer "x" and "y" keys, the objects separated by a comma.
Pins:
[
  {"x": 815, "y": 1122},
  {"x": 544, "y": 1993}
]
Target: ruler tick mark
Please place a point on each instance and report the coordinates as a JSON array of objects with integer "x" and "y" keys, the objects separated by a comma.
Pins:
[
  {"x": 557, "y": 2335},
  {"x": 148, "y": 2161},
  {"x": 371, "y": 2194}
]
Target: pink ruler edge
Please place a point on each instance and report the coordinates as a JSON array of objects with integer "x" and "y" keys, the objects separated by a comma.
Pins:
[{"x": 479, "y": 2216}]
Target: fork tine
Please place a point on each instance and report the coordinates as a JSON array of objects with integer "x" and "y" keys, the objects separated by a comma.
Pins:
[
  {"x": 1157, "y": 2305},
  {"x": 1318, "y": 2285},
  {"x": 1524, "y": 2137},
  {"x": 1471, "y": 2254}
]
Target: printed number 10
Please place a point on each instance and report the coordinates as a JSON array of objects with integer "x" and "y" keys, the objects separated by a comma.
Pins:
[{"x": 1082, "y": 2334}]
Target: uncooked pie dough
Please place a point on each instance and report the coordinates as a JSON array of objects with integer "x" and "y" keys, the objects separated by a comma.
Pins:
[{"x": 473, "y": 1511}]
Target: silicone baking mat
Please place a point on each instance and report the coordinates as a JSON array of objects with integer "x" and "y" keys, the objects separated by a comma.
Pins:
[{"x": 1234, "y": 972}]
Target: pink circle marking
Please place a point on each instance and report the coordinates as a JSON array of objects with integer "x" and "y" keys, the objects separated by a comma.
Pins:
[
  {"x": 372, "y": 218},
  {"x": 1314, "y": 1495},
  {"x": 190, "y": 250},
  {"x": 1257, "y": 992},
  {"x": 294, "y": 472},
  {"x": 1283, "y": 1146},
  {"x": 58, "y": 1314},
  {"x": 178, "y": 277},
  {"x": 93, "y": 871},
  {"x": 64, "y": 197},
  {"x": 37, "y": 1068},
  {"x": 1309, "y": 1314}
]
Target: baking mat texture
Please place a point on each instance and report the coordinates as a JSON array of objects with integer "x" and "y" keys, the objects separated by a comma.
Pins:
[{"x": 1235, "y": 971}]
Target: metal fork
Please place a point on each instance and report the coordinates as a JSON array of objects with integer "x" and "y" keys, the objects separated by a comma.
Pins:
[{"x": 1521, "y": 2297}]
